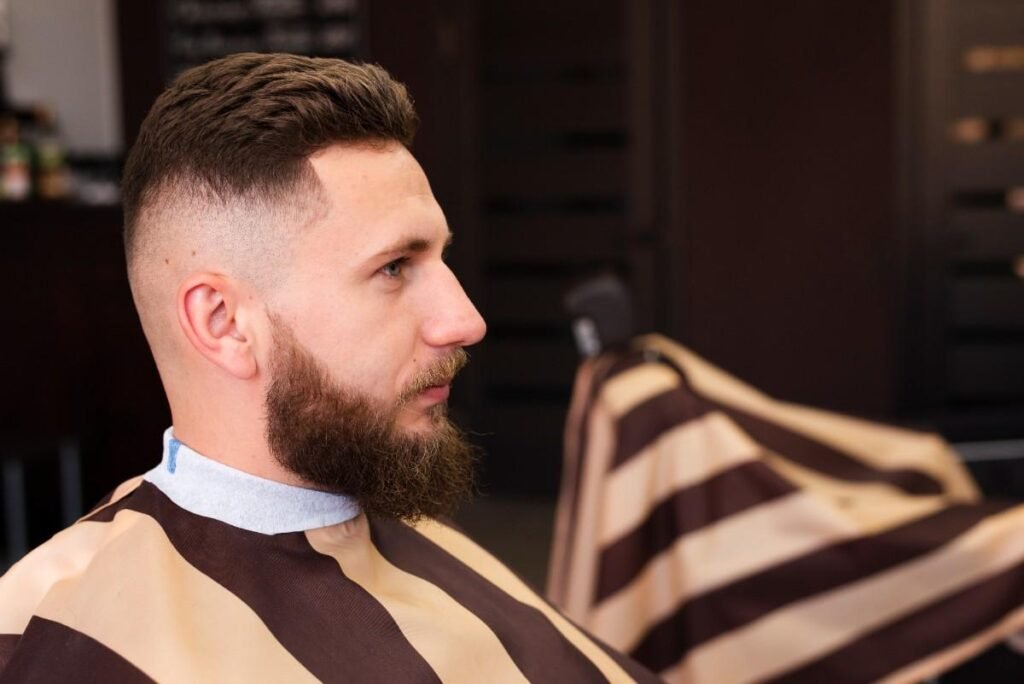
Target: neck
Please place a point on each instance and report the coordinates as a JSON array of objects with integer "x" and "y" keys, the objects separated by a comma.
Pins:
[{"x": 232, "y": 432}]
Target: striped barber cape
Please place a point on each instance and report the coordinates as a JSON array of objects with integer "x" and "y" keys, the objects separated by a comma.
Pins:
[
  {"x": 142, "y": 590},
  {"x": 719, "y": 536}
]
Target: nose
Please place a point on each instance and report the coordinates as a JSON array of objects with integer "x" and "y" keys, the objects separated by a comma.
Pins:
[{"x": 452, "y": 320}]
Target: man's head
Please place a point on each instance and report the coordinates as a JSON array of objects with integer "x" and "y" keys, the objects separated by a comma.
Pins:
[{"x": 285, "y": 254}]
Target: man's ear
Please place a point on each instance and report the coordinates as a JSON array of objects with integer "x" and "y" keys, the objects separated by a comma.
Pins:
[{"x": 208, "y": 313}]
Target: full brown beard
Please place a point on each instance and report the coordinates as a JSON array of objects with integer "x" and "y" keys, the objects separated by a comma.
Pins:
[{"x": 344, "y": 441}]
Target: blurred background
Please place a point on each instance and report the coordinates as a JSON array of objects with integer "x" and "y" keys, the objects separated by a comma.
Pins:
[{"x": 825, "y": 199}]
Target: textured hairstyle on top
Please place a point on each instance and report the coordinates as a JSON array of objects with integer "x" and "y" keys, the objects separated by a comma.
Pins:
[{"x": 238, "y": 131}]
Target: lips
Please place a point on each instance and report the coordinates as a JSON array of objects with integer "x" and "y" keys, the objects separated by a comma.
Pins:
[{"x": 436, "y": 393}]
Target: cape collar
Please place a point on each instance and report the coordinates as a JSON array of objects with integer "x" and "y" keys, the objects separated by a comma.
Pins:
[{"x": 211, "y": 489}]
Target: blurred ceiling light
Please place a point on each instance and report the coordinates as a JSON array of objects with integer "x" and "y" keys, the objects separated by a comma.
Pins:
[
  {"x": 1013, "y": 128},
  {"x": 969, "y": 130},
  {"x": 985, "y": 58},
  {"x": 1018, "y": 266},
  {"x": 1015, "y": 200}
]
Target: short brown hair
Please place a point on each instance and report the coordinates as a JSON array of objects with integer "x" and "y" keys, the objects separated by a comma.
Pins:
[{"x": 243, "y": 126}]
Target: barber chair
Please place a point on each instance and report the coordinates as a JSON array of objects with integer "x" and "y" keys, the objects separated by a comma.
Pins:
[{"x": 718, "y": 535}]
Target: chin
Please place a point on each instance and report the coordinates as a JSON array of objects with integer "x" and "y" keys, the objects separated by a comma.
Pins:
[{"x": 421, "y": 422}]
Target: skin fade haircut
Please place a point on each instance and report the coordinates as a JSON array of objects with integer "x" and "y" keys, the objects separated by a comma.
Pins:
[
  {"x": 240, "y": 130},
  {"x": 222, "y": 161}
]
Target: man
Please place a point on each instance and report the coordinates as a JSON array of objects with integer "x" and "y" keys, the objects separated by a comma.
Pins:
[{"x": 285, "y": 255}]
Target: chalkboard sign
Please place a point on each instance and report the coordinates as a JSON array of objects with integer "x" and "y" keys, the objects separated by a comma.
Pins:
[{"x": 201, "y": 30}]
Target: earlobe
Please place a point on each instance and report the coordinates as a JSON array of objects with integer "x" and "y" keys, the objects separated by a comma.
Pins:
[{"x": 208, "y": 316}]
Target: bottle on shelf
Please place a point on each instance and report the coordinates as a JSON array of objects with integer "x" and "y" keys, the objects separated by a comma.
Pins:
[
  {"x": 15, "y": 161},
  {"x": 51, "y": 170}
]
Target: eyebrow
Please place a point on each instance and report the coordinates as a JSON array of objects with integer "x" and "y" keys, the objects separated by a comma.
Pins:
[{"x": 413, "y": 245}]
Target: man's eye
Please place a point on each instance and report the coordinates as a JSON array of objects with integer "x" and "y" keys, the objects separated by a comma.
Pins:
[{"x": 394, "y": 268}]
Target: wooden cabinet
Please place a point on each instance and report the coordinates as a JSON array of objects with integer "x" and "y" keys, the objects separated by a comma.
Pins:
[{"x": 73, "y": 358}]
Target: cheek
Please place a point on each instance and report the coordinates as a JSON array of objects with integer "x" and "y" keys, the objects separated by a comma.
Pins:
[
  {"x": 366, "y": 338},
  {"x": 377, "y": 358}
]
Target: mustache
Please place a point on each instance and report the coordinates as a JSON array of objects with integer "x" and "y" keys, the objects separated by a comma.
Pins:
[{"x": 440, "y": 372}]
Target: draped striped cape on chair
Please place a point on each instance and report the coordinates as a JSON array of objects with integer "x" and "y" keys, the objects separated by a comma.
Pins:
[{"x": 717, "y": 535}]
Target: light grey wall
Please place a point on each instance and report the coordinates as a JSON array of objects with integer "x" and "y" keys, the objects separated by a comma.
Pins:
[{"x": 64, "y": 53}]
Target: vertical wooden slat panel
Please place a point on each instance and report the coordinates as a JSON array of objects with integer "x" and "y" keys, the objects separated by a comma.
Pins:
[
  {"x": 554, "y": 162},
  {"x": 965, "y": 356}
]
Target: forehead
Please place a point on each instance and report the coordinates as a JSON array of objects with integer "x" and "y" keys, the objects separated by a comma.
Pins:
[{"x": 373, "y": 196}]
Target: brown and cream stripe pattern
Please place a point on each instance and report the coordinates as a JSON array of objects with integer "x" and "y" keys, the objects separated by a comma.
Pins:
[
  {"x": 143, "y": 590},
  {"x": 717, "y": 535}
]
